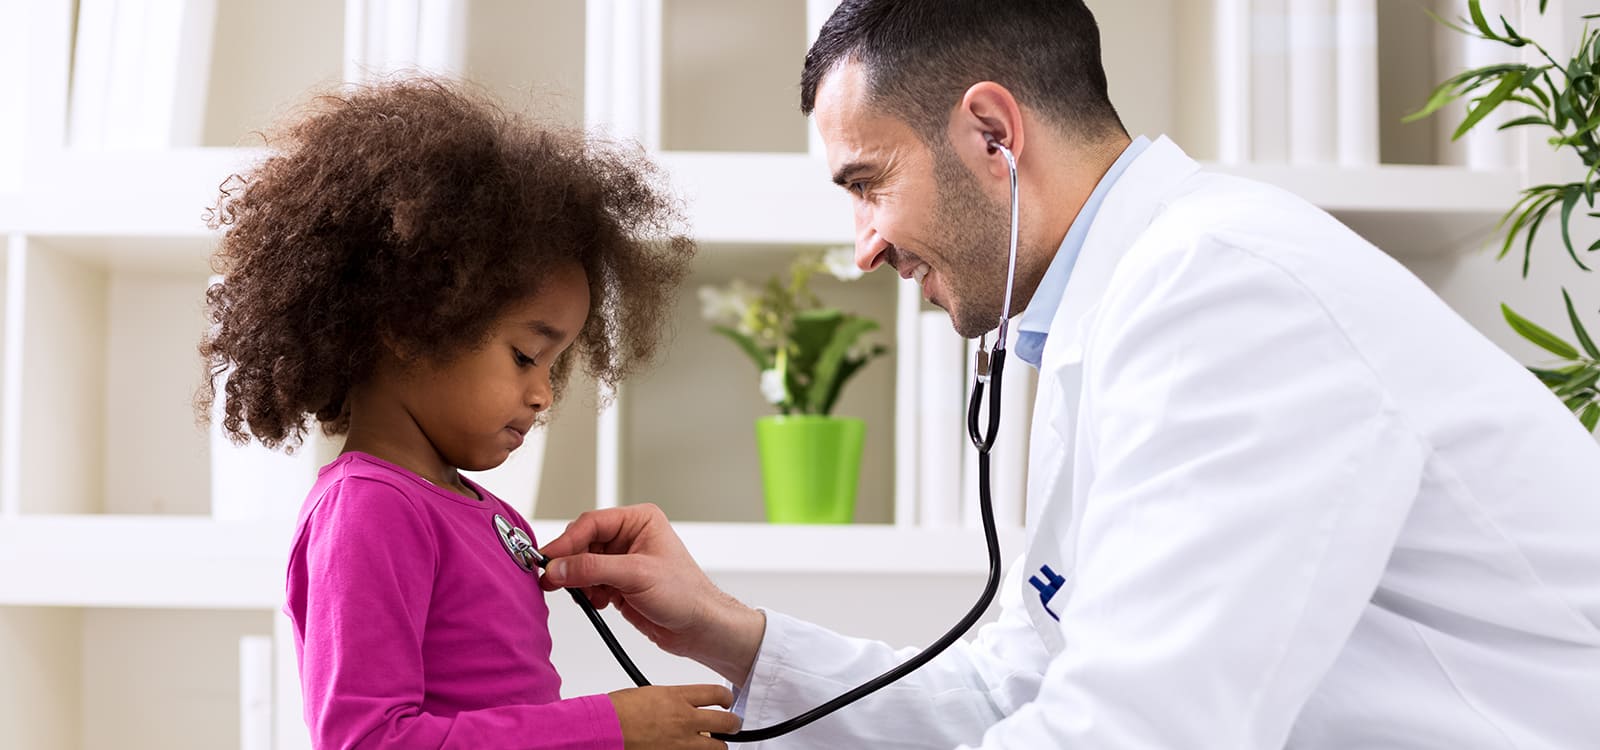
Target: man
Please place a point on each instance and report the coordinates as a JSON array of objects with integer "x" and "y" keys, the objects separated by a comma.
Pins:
[{"x": 1280, "y": 495}]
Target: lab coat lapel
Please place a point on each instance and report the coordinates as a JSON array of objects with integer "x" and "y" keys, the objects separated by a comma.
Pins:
[{"x": 1128, "y": 208}]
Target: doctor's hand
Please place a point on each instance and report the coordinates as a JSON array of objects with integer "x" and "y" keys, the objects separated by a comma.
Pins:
[
  {"x": 672, "y": 717},
  {"x": 631, "y": 558}
]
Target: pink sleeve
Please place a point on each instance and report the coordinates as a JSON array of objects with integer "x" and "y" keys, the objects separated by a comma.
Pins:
[{"x": 366, "y": 568}]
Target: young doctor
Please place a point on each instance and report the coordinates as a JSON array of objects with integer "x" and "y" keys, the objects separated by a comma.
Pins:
[{"x": 1279, "y": 494}]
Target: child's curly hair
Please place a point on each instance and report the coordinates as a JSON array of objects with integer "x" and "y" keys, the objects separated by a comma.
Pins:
[{"x": 413, "y": 213}]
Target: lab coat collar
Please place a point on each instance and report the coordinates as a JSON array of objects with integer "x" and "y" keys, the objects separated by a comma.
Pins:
[{"x": 1129, "y": 207}]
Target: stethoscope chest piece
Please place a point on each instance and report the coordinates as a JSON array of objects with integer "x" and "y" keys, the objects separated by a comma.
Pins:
[{"x": 517, "y": 543}]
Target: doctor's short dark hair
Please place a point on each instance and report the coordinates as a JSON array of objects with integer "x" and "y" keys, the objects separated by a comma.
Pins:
[
  {"x": 410, "y": 214},
  {"x": 920, "y": 56}
]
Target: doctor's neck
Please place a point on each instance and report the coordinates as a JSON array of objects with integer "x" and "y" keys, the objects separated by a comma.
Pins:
[{"x": 1056, "y": 175}]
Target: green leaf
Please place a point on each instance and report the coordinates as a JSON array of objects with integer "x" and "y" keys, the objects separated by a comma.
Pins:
[
  {"x": 1577, "y": 327},
  {"x": 1508, "y": 83},
  {"x": 1512, "y": 37},
  {"x": 1533, "y": 231},
  {"x": 830, "y": 359},
  {"x": 848, "y": 370},
  {"x": 813, "y": 329},
  {"x": 748, "y": 346},
  {"x": 1538, "y": 336},
  {"x": 1579, "y": 384},
  {"x": 1521, "y": 121},
  {"x": 1475, "y": 9},
  {"x": 1441, "y": 97},
  {"x": 1532, "y": 198},
  {"x": 1550, "y": 378},
  {"x": 1568, "y": 201},
  {"x": 1574, "y": 403},
  {"x": 1590, "y": 416}
]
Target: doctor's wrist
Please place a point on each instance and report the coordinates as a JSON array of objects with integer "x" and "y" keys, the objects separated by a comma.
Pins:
[{"x": 734, "y": 639}]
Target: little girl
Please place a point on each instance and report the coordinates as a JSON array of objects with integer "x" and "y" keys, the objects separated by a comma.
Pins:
[{"x": 420, "y": 271}]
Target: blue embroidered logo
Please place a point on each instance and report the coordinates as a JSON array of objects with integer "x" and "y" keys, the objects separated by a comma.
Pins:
[{"x": 1048, "y": 586}]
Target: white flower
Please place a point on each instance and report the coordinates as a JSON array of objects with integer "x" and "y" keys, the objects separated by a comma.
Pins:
[
  {"x": 841, "y": 262},
  {"x": 772, "y": 386},
  {"x": 726, "y": 306}
]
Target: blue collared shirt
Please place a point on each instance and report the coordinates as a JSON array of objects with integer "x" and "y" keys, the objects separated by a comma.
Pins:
[{"x": 1034, "y": 326}]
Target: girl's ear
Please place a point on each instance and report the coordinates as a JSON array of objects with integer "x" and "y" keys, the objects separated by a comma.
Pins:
[{"x": 397, "y": 348}]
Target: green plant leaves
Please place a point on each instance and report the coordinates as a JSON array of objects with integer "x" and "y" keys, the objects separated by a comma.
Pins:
[
  {"x": 759, "y": 356},
  {"x": 829, "y": 372},
  {"x": 1538, "y": 336},
  {"x": 1509, "y": 82},
  {"x": 1576, "y": 383},
  {"x": 1564, "y": 97},
  {"x": 1577, "y": 327}
]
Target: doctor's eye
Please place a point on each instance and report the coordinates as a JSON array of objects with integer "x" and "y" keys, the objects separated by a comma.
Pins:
[{"x": 522, "y": 360}]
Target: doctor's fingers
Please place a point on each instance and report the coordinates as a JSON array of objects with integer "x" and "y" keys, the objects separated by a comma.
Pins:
[
  {"x": 632, "y": 528},
  {"x": 625, "y": 573}
]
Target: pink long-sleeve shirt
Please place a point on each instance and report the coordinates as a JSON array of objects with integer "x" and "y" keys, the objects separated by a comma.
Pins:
[{"x": 416, "y": 629}]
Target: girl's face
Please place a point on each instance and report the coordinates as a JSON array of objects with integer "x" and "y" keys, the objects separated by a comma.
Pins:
[{"x": 476, "y": 408}]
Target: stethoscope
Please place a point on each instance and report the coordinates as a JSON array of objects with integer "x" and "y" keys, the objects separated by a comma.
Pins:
[{"x": 988, "y": 370}]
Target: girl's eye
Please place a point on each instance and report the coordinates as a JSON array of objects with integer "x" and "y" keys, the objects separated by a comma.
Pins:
[
  {"x": 523, "y": 360},
  {"x": 859, "y": 188}
]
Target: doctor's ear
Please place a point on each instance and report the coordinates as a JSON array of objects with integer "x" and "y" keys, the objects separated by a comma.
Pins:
[{"x": 988, "y": 116}]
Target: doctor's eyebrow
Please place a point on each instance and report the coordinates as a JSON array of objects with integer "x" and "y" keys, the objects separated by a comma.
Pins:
[{"x": 848, "y": 172}]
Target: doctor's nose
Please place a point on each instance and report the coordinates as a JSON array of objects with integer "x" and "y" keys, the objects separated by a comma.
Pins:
[{"x": 872, "y": 250}]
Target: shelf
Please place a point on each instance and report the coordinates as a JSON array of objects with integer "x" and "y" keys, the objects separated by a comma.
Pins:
[
  {"x": 730, "y": 198},
  {"x": 140, "y": 561},
  {"x": 1391, "y": 188},
  {"x": 124, "y": 194}
]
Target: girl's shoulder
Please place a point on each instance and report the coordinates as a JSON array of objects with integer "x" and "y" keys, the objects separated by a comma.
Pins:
[{"x": 356, "y": 486}]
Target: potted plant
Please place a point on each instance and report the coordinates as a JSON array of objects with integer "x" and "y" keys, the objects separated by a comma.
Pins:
[
  {"x": 1562, "y": 96},
  {"x": 804, "y": 352}
]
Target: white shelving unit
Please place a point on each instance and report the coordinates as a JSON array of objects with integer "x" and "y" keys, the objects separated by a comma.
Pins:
[{"x": 108, "y": 544}]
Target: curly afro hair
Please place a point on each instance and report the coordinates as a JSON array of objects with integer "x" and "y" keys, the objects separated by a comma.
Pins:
[{"x": 414, "y": 212}]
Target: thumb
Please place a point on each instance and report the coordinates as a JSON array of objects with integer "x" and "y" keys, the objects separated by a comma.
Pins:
[{"x": 587, "y": 569}]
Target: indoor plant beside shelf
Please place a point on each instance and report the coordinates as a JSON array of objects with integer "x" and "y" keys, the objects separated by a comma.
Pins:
[
  {"x": 1562, "y": 96},
  {"x": 805, "y": 352}
]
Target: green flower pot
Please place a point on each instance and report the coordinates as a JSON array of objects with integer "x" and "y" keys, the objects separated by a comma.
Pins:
[{"x": 809, "y": 467}]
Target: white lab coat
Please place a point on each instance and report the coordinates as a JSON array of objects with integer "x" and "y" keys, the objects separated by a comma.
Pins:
[{"x": 1289, "y": 499}]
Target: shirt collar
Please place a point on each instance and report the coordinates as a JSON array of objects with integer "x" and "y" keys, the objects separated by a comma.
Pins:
[{"x": 1034, "y": 325}]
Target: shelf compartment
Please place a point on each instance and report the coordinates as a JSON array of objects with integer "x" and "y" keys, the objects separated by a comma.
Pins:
[
  {"x": 108, "y": 371},
  {"x": 730, "y": 75},
  {"x": 95, "y": 679},
  {"x": 529, "y": 56},
  {"x": 689, "y": 440}
]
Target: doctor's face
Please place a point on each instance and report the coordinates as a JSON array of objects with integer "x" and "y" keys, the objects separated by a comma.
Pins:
[{"x": 917, "y": 209}]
